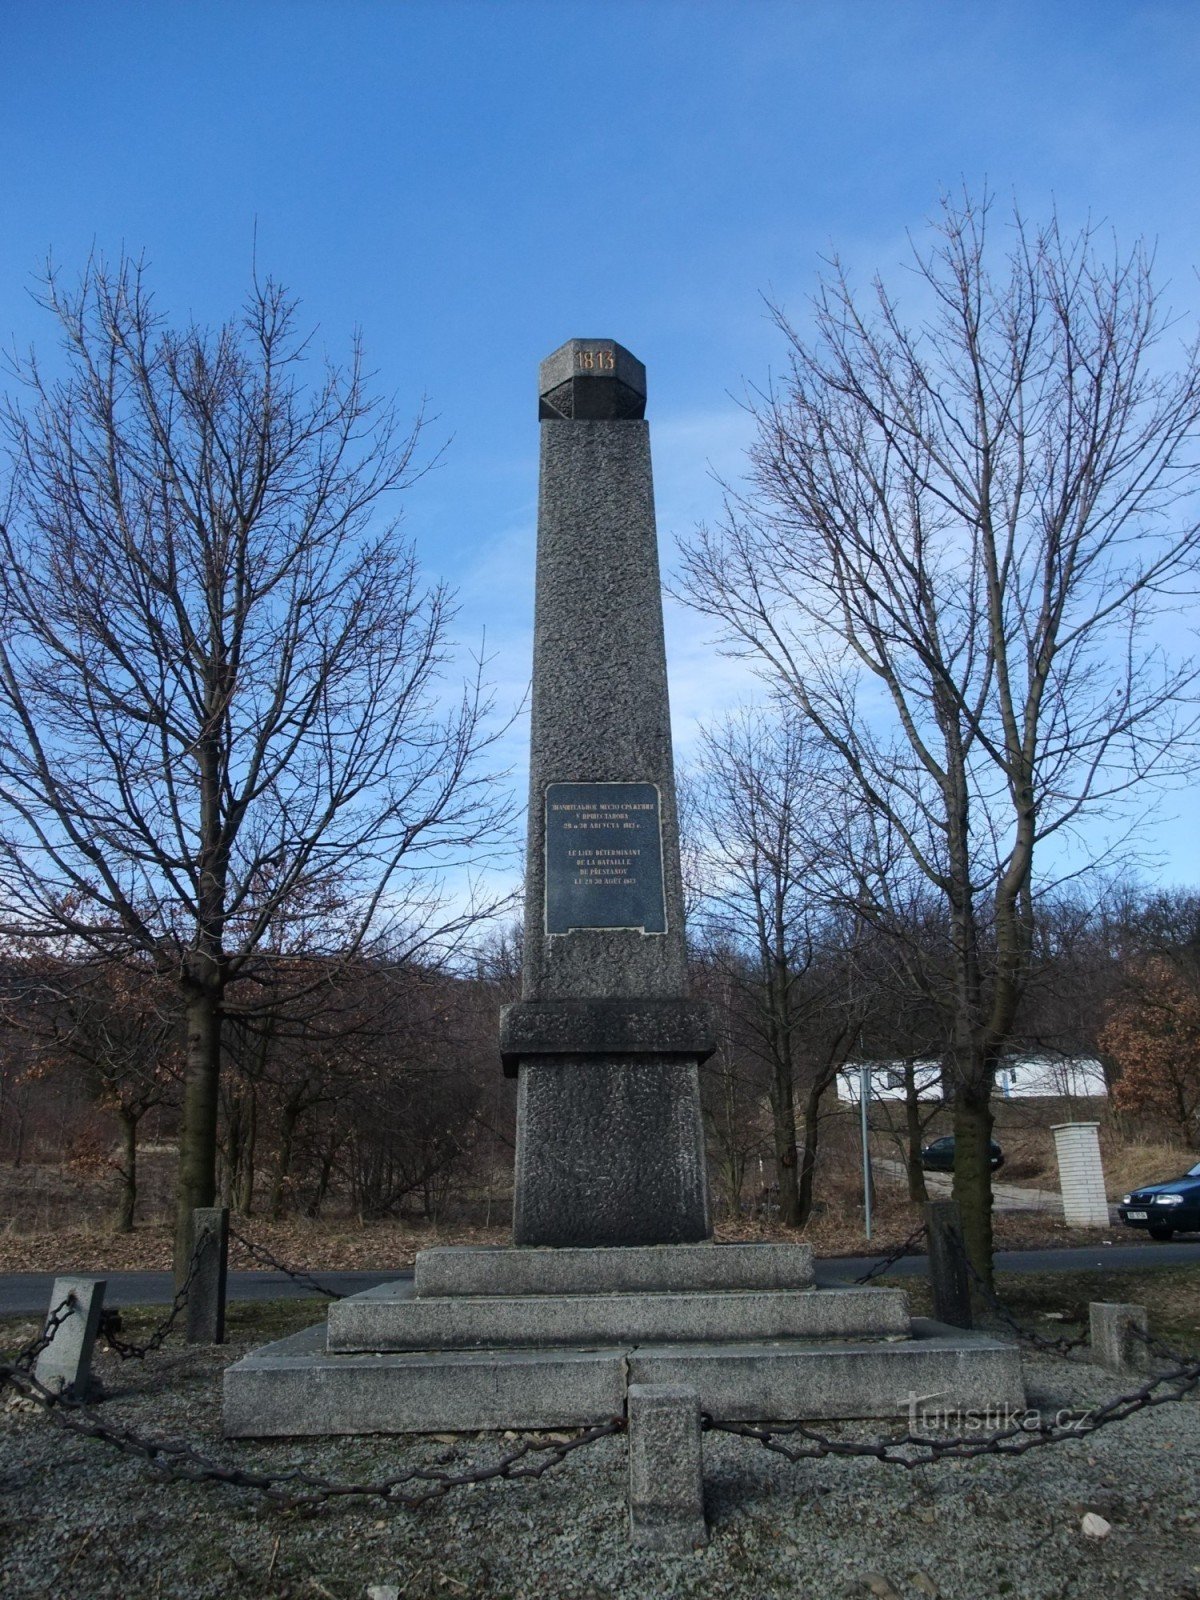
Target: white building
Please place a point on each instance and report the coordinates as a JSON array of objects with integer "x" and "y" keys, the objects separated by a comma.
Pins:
[{"x": 1025, "y": 1078}]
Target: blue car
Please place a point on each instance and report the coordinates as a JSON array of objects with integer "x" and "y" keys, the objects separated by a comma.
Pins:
[{"x": 1165, "y": 1208}]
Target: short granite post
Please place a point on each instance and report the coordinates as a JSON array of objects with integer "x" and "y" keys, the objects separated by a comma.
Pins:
[
  {"x": 205, "y": 1310},
  {"x": 666, "y": 1469},
  {"x": 947, "y": 1264},
  {"x": 65, "y": 1365},
  {"x": 1113, "y": 1343}
]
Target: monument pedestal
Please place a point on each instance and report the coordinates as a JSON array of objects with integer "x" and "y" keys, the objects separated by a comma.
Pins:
[
  {"x": 495, "y": 1339},
  {"x": 610, "y": 1143}
]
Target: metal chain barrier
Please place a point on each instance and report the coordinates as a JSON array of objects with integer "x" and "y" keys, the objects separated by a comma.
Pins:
[
  {"x": 911, "y": 1450},
  {"x": 904, "y": 1249},
  {"x": 27, "y": 1356},
  {"x": 1064, "y": 1345},
  {"x": 178, "y": 1461},
  {"x": 1157, "y": 1347},
  {"x": 263, "y": 1256},
  {"x": 175, "y": 1461},
  {"x": 110, "y": 1320}
]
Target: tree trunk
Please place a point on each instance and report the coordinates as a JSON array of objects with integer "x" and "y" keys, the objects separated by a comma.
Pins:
[
  {"x": 244, "y": 1188},
  {"x": 783, "y": 1093},
  {"x": 808, "y": 1156},
  {"x": 912, "y": 1115},
  {"x": 973, "y": 1169},
  {"x": 313, "y": 1208},
  {"x": 19, "y": 1147},
  {"x": 196, "y": 1185},
  {"x": 783, "y": 1117},
  {"x": 229, "y": 1148},
  {"x": 126, "y": 1171},
  {"x": 283, "y": 1168}
]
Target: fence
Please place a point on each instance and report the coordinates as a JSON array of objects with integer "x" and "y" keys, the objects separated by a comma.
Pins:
[{"x": 538, "y": 1452}]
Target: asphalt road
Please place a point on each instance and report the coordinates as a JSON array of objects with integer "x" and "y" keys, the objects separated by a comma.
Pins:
[
  {"x": 23, "y": 1293},
  {"x": 27, "y": 1293},
  {"x": 1089, "y": 1258}
]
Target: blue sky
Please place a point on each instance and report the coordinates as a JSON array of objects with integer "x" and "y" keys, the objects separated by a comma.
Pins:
[{"x": 474, "y": 183}]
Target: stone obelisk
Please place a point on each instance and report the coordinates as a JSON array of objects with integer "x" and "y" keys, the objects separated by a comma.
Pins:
[{"x": 604, "y": 1042}]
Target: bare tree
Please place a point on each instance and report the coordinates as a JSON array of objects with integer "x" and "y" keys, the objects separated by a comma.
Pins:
[
  {"x": 732, "y": 1088},
  {"x": 110, "y": 1020},
  {"x": 768, "y": 831},
  {"x": 959, "y": 540},
  {"x": 220, "y": 671}
]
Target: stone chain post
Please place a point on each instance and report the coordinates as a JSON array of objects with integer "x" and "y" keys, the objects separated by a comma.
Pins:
[
  {"x": 205, "y": 1310},
  {"x": 947, "y": 1264}
]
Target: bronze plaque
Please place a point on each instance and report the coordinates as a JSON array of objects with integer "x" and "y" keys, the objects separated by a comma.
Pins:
[{"x": 604, "y": 857}]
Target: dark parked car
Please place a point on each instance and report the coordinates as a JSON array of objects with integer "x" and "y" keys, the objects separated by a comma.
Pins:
[
  {"x": 1165, "y": 1208},
  {"x": 939, "y": 1156}
]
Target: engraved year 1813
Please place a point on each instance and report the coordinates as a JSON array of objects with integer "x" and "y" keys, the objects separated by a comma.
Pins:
[{"x": 596, "y": 360}]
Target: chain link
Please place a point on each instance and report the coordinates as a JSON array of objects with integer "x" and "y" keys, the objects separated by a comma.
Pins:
[
  {"x": 1156, "y": 1346},
  {"x": 176, "y": 1461},
  {"x": 263, "y": 1256},
  {"x": 911, "y": 1450},
  {"x": 26, "y": 1358},
  {"x": 904, "y": 1249},
  {"x": 110, "y": 1318},
  {"x": 1064, "y": 1345}
]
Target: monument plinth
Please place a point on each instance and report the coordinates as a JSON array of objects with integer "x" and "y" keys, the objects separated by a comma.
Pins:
[{"x": 605, "y": 1044}]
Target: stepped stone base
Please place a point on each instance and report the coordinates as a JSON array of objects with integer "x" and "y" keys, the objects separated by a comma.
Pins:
[
  {"x": 296, "y": 1389},
  {"x": 537, "y": 1338},
  {"x": 393, "y": 1317},
  {"x": 654, "y": 1269}
]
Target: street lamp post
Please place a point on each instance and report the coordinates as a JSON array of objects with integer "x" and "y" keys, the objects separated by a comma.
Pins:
[{"x": 864, "y": 1093}]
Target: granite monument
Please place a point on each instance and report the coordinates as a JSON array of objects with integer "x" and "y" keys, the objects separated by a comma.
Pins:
[{"x": 604, "y": 1042}]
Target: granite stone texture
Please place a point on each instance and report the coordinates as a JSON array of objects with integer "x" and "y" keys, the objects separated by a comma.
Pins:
[
  {"x": 293, "y": 1389},
  {"x": 571, "y": 360},
  {"x": 485, "y": 1270},
  {"x": 666, "y": 1469},
  {"x": 948, "y": 1264},
  {"x": 392, "y": 1317},
  {"x": 592, "y": 378},
  {"x": 296, "y": 1389},
  {"x": 204, "y": 1314},
  {"x": 1113, "y": 1342},
  {"x": 605, "y": 1027},
  {"x": 65, "y": 1365},
  {"x": 610, "y": 1142},
  {"x": 942, "y": 1367},
  {"x": 610, "y": 1151},
  {"x": 599, "y": 711}
]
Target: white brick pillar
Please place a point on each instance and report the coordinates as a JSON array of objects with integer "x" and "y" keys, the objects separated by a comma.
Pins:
[{"x": 1081, "y": 1174}]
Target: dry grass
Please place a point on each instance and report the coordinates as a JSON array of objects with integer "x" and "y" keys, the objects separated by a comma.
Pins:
[
  {"x": 56, "y": 1219},
  {"x": 1128, "y": 1165},
  {"x": 1023, "y": 1128},
  {"x": 328, "y": 1245}
]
